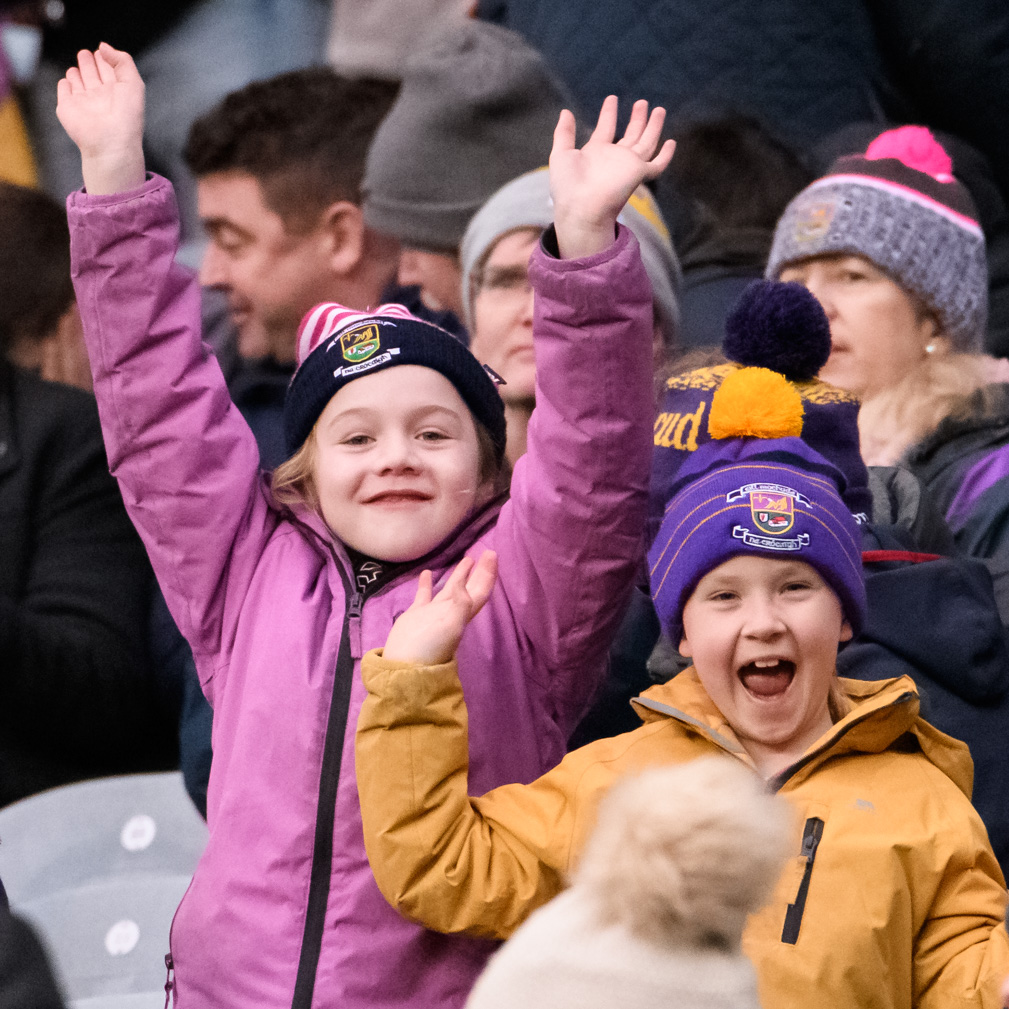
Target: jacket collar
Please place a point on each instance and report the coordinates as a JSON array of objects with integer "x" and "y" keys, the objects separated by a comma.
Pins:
[{"x": 883, "y": 713}]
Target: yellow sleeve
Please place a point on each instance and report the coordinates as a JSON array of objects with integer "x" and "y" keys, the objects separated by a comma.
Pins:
[
  {"x": 961, "y": 955},
  {"x": 16, "y": 162},
  {"x": 451, "y": 863}
]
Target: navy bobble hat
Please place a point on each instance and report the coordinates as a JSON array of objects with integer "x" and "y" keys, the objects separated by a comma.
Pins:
[
  {"x": 755, "y": 488},
  {"x": 337, "y": 344}
]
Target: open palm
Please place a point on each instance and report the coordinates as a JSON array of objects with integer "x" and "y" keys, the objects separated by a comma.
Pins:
[
  {"x": 429, "y": 632},
  {"x": 591, "y": 184}
]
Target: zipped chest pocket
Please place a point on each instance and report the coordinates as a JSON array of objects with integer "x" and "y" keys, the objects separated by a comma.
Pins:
[{"x": 811, "y": 834}]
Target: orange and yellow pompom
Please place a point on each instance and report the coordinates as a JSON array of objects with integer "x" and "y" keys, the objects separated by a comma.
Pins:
[{"x": 755, "y": 403}]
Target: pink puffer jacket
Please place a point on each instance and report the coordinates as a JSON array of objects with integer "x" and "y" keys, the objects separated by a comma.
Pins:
[{"x": 283, "y": 910}]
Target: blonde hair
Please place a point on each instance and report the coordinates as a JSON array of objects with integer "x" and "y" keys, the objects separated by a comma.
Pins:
[
  {"x": 293, "y": 482},
  {"x": 896, "y": 419}
]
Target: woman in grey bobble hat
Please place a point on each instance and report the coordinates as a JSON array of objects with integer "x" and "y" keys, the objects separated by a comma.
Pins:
[{"x": 889, "y": 243}]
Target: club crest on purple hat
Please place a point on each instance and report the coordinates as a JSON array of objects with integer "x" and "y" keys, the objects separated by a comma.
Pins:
[
  {"x": 337, "y": 345},
  {"x": 756, "y": 487}
]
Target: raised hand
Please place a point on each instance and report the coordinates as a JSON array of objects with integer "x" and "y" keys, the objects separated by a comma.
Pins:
[
  {"x": 100, "y": 103},
  {"x": 428, "y": 633},
  {"x": 590, "y": 185}
]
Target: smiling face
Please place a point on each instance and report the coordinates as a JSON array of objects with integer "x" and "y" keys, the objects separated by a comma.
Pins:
[
  {"x": 878, "y": 332},
  {"x": 502, "y": 335},
  {"x": 763, "y": 634},
  {"x": 397, "y": 462},
  {"x": 271, "y": 276}
]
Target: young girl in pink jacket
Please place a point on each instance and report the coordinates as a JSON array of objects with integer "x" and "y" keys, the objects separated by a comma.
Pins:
[{"x": 396, "y": 435}]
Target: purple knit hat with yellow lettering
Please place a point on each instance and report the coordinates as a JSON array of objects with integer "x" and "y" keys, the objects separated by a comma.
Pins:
[
  {"x": 900, "y": 207},
  {"x": 781, "y": 327},
  {"x": 755, "y": 488}
]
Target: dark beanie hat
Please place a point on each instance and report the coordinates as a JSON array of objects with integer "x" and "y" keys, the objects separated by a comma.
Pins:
[
  {"x": 476, "y": 108},
  {"x": 781, "y": 327},
  {"x": 755, "y": 488},
  {"x": 337, "y": 345},
  {"x": 900, "y": 207}
]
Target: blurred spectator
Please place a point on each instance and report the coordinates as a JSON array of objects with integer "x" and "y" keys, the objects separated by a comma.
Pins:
[
  {"x": 477, "y": 108},
  {"x": 497, "y": 298},
  {"x": 16, "y": 161},
  {"x": 374, "y": 38},
  {"x": 77, "y": 699},
  {"x": 191, "y": 52},
  {"x": 807, "y": 69},
  {"x": 723, "y": 194},
  {"x": 38, "y": 312},
  {"x": 278, "y": 166},
  {"x": 26, "y": 979}
]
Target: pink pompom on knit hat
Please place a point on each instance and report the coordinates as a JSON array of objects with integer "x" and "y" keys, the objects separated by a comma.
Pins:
[
  {"x": 900, "y": 207},
  {"x": 337, "y": 344}
]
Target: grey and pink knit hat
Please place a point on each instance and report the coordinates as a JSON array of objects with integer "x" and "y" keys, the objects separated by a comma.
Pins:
[
  {"x": 337, "y": 344},
  {"x": 900, "y": 207}
]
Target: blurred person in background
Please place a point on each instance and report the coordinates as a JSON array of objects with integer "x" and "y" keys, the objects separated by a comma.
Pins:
[
  {"x": 77, "y": 697},
  {"x": 477, "y": 107}
]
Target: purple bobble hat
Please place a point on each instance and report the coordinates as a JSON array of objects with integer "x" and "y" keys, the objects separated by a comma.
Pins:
[{"x": 755, "y": 488}]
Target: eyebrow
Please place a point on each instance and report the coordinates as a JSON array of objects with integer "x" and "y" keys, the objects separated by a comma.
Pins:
[
  {"x": 215, "y": 224},
  {"x": 497, "y": 274}
]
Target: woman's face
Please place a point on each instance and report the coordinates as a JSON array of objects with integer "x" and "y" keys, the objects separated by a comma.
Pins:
[
  {"x": 502, "y": 335},
  {"x": 878, "y": 332}
]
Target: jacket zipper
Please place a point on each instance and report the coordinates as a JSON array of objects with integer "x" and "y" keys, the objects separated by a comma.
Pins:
[
  {"x": 169, "y": 980},
  {"x": 325, "y": 816},
  {"x": 811, "y": 835}
]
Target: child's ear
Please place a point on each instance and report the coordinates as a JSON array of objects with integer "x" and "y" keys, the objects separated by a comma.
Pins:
[
  {"x": 846, "y": 632},
  {"x": 685, "y": 650}
]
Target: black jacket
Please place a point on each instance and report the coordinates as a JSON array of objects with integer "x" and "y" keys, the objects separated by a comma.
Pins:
[{"x": 76, "y": 696}]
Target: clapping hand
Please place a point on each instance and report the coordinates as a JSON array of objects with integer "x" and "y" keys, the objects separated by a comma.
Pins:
[{"x": 428, "y": 633}]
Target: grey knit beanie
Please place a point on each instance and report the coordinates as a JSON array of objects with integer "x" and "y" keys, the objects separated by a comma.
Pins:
[
  {"x": 477, "y": 107},
  {"x": 899, "y": 206},
  {"x": 525, "y": 203},
  {"x": 654, "y": 916}
]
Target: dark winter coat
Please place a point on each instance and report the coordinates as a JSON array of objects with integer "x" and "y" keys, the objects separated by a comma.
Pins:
[{"x": 76, "y": 699}]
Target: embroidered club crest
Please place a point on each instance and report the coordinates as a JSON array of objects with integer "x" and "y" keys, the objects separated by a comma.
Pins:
[
  {"x": 359, "y": 344},
  {"x": 772, "y": 513},
  {"x": 814, "y": 221}
]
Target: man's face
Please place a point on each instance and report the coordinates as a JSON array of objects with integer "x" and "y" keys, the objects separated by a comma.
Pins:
[
  {"x": 438, "y": 276},
  {"x": 271, "y": 276}
]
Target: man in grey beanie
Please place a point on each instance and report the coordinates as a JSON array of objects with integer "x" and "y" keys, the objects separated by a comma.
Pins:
[{"x": 477, "y": 107}]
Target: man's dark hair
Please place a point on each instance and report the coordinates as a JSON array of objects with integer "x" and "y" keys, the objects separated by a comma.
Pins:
[
  {"x": 304, "y": 136},
  {"x": 35, "y": 285}
]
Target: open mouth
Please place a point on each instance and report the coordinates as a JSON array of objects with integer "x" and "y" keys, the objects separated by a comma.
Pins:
[{"x": 767, "y": 678}]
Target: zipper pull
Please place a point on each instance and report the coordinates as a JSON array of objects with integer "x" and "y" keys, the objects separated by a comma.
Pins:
[
  {"x": 169, "y": 980},
  {"x": 354, "y": 624}
]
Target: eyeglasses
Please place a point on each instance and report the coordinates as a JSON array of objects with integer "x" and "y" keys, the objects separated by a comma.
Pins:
[{"x": 503, "y": 282}]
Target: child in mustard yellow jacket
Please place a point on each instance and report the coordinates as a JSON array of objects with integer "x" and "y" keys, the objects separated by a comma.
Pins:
[{"x": 893, "y": 897}]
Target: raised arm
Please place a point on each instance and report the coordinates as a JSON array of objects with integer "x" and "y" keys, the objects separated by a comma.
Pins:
[
  {"x": 571, "y": 538},
  {"x": 186, "y": 462}
]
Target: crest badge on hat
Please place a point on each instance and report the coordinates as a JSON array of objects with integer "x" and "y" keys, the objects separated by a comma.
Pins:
[
  {"x": 359, "y": 344},
  {"x": 815, "y": 220},
  {"x": 772, "y": 513}
]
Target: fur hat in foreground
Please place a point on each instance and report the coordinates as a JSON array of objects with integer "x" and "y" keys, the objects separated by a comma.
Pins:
[{"x": 654, "y": 917}]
